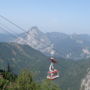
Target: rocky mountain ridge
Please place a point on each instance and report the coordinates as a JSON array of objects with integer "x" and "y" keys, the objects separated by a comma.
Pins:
[
  {"x": 37, "y": 40},
  {"x": 75, "y": 46}
]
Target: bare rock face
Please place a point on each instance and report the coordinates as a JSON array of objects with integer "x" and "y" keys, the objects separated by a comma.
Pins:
[
  {"x": 37, "y": 40},
  {"x": 85, "y": 84}
]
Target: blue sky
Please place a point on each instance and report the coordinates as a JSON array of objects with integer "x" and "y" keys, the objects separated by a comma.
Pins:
[{"x": 68, "y": 16}]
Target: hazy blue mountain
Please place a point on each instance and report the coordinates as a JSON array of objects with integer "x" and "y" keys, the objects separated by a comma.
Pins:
[
  {"x": 76, "y": 46},
  {"x": 5, "y": 37}
]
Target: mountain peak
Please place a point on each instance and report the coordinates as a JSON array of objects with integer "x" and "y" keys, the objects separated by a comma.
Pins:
[
  {"x": 37, "y": 40},
  {"x": 34, "y": 30}
]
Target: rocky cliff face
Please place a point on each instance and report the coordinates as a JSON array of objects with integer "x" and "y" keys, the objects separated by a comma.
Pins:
[
  {"x": 37, "y": 40},
  {"x": 85, "y": 84}
]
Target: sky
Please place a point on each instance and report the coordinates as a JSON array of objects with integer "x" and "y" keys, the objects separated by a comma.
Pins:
[{"x": 67, "y": 16}]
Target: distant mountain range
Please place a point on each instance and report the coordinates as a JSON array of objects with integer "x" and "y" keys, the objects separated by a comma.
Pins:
[
  {"x": 75, "y": 46},
  {"x": 4, "y": 37}
]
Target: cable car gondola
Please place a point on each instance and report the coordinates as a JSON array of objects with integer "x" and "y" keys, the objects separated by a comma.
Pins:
[{"x": 52, "y": 73}]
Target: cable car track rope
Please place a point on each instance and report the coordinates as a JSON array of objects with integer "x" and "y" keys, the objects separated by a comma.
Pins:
[{"x": 6, "y": 19}]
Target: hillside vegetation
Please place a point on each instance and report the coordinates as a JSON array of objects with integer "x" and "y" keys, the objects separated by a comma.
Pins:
[{"x": 21, "y": 57}]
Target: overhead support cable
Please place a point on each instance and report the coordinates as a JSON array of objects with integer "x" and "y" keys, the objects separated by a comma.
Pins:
[
  {"x": 14, "y": 25},
  {"x": 6, "y": 19}
]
